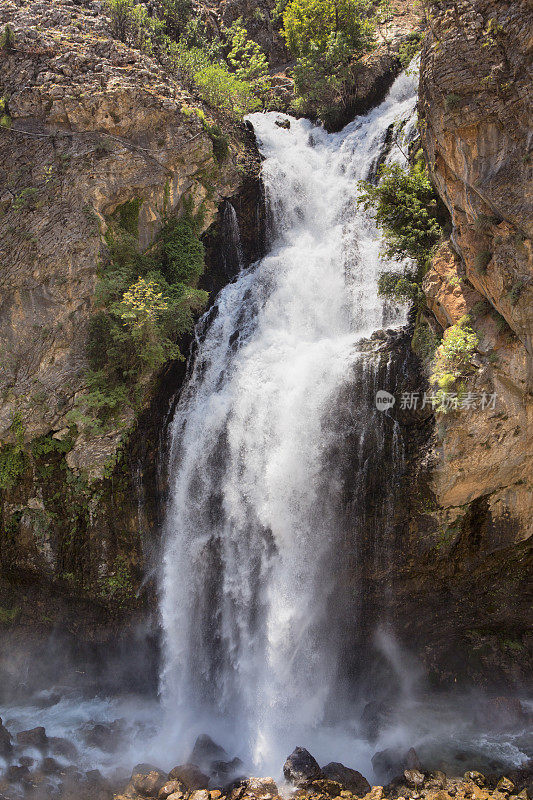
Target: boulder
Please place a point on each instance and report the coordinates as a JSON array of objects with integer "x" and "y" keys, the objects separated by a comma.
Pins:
[
  {"x": 172, "y": 787},
  {"x": 199, "y": 794},
  {"x": 105, "y": 736},
  {"x": 261, "y": 787},
  {"x": 46, "y": 699},
  {"x": 205, "y": 752},
  {"x": 223, "y": 770},
  {"x": 190, "y": 775},
  {"x": 149, "y": 783},
  {"x": 414, "y": 778},
  {"x": 436, "y": 780},
  {"x": 505, "y": 786},
  {"x": 62, "y": 747},
  {"x": 35, "y": 737},
  {"x": 16, "y": 773},
  {"x": 411, "y": 759},
  {"x": 301, "y": 768},
  {"x": 388, "y": 762},
  {"x": 325, "y": 787},
  {"x": 476, "y": 777},
  {"x": 50, "y": 766},
  {"x": 393, "y": 761},
  {"x": 350, "y": 778},
  {"x": 282, "y": 123}
]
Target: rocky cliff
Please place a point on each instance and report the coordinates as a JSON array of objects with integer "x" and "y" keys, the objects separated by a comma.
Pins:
[
  {"x": 92, "y": 131},
  {"x": 465, "y": 557}
]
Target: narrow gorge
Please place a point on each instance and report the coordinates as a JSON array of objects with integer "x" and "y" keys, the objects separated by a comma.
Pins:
[{"x": 266, "y": 434}]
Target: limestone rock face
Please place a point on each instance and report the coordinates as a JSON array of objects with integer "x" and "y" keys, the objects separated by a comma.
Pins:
[
  {"x": 94, "y": 124},
  {"x": 475, "y": 125},
  {"x": 476, "y": 120},
  {"x": 90, "y": 125}
]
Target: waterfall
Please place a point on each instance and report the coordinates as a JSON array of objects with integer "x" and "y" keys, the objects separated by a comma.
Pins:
[{"x": 254, "y": 620}]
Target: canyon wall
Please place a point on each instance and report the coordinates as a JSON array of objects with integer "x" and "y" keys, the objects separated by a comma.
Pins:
[
  {"x": 464, "y": 560},
  {"x": 92, "y": 131}
]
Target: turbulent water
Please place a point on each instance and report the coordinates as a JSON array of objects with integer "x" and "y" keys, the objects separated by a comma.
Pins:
[{"x": 252, "y": 533}]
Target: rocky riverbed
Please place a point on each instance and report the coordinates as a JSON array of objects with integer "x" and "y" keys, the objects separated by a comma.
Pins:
[{"x": 34, "y": 764}]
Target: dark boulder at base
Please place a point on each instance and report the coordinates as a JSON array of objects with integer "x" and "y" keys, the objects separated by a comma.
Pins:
[
  {"x": 225, "y": 770},
  {"x": 391, "y": 762},
  {"x": 205, "y": 752},
  {"x": 147, "y": 782},
  {"x": 301, "y": 768},
  {"x": 190, "y": 775},
  {"x": 350, "y": 778},
  {"x": 174, "y": 787},
  {"x": 35, "y": 737},
  {"x": 60, "y": 746},
  {"x": 105, "y": 736},
  {"x": 50, "y": 766},
  {"x": 15, "y": 773}
]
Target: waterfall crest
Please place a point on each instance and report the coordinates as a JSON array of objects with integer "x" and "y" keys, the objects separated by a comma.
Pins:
[{"x": 253, "y": 622}]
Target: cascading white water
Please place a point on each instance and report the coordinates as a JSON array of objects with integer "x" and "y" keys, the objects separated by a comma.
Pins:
[{"x": 251, "y": 533}]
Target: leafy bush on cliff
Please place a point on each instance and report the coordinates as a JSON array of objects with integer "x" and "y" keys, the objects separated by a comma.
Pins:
[
  {"x": 12, "y": 456},
  {"x": 235, "y": 83},
  {"x": 411, "y": 217},
  {"x": 146, "y": 301},
  {"x": 407, "y": 209},
  {"x": 328, "y": 37},
  {"x": 453, "y": 360}
]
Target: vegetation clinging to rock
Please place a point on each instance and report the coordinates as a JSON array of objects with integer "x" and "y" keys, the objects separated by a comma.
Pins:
[
  {"x": 408, "y": 210},
  {"x": 453, "y": 360},
  {"x": 146, "y": 301},
  {"x": 328, "y": 37}
]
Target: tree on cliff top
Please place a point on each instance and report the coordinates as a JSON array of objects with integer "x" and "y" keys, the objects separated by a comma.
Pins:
[{"x": 328, "y": 37}]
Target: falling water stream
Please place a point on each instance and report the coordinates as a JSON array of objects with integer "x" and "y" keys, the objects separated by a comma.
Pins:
[{"x": 252, "y": 535}]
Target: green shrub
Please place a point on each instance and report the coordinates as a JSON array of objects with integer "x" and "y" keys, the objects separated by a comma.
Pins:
[
  {"x": 220, "y": 142},
  {"x": 132, "y": 24},
  {"x": 308, "y": 25},
  {"x": 127, "y": 215},
  {"x": 174, "y": 14},
  {"x": 328, "y": 37},
  {"x": 7, "y": 39},
  {"x": 400, "y": 287},
  {"x": 453, "y": 101},
  {"x": 481, "y": 309},
  {"x": 146, "y": 302},
  {"x": 515, "y": 291},
  {"x": 5, "y": 119},
  {"x": 482, "y": 260},
  {"x": 246, "y": 58},
  {"x": 424, "y": 342},
  {"x": 410, "y": 46},
  {"x": 12, "y": 456},
  {"x": 408, "y": 210},
  {"x": 452, "y": 359},
  {"x": 224, "y": 91}
]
